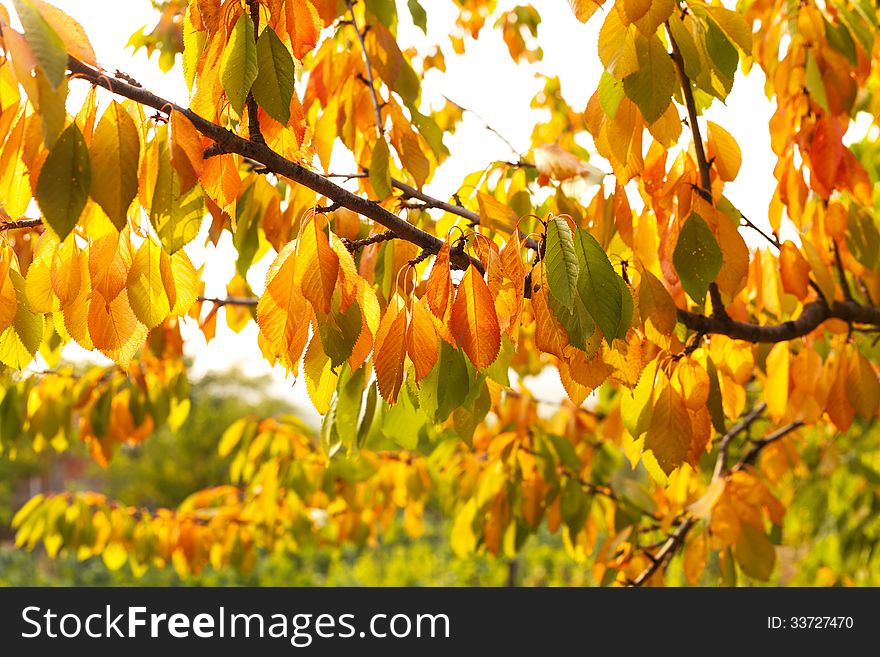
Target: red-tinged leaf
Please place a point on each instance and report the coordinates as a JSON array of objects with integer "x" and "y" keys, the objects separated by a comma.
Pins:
[
  {"x": 474, "y": 322},
  {"x": 439, "y": 292},
  {"x": 303, "y": 26},
  {"x": 282, "y": 312},
  {"x": 390, "y": 350}
]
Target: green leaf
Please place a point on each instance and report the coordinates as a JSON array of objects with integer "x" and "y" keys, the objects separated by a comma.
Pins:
[
  {"x": 693, "y": 64},
  {"x": 273, "y": 87},
  {"x": 697, "y": 257},
  {"x": 419, "y": 15},
  {"x": 369, "y": 415},
  {"x": 47, "y": 46},
  {"x": 349, "y": 399},
  {"x": 722, "y": 52},
  {"x": 115, "y": 152},
  {"x": 815, "y": 82},
  {"x": 403, "y": 421},
  {"x": 652, "y": 85},
  {"x": 380, "y": 175},
  {"x": 611, "y": 94},
  {"x": 862, "y": 236},
  {"x": 713, "y": 403},
  {"x": 440, "y": 394},
  {"x": 754, "y": 552},
  {"x": 52, "y": 104},
  {"x": 246, "y": 235},
  {"x": 176, "y": 217},
  {"x": 63, "y": 186},
  {"x": 499, "y": 371},
  {"x": 598, "y": 285},
  {"x": 575, "y": 320},
  {"x": 561, "y": 262},
  {"x": 574, "y": 506},
  {"x": 338, "y": 330},
  {"x": 11, "y": 422},
  {"x": 238, "y": 63}
]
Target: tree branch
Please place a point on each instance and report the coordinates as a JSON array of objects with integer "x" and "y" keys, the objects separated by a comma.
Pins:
[
  {"x": 750, "y": 456},
  {"x": 664, "y": 554},
  {"x": 230, "y": 301},
  {"x": 377, "y": 106},
  {"x": 724, "y": 446},
  {"x": 228, "y": 142},
  {"x": 702, "y": 162},
  {"x": 253, "y": 121},
  {"x": 813, "y": 314},
  {"x": 22, "y": 223}
]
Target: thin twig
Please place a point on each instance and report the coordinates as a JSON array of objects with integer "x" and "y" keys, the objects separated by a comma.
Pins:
[
  {"x": 724, "y": 445},
  {"x": 664, "y": 554},
  {"x": 841, "y": 272},
  {"x": 377, "y": 105},
  {"x": 490, "y": 129},
  {"x": 21, "y": 224},
  {"x": 750, "y": 456},
  {"x": 230, "y": 301},
  {"x": 355, "y": 245}
]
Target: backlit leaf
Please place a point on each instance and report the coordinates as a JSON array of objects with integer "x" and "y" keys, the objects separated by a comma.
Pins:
[
  {"x": 598, "y": 286},
  {"x": 474, "y": 322},
  {"x": 669, "y": 435},
  {"x": 238, "y": 63},
  {"x": 561, "y": 263},
  {"x": 273, "y": 86},
  {"x": 114, "y": 154},
  {"x": 151, "y": 284},
  {"x": 63, "y": 186},
  {"x": 652, "y": 85},
  {"x": 697, "y": 257}
]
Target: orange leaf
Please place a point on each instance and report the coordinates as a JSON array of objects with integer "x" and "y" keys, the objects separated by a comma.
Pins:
[
  {"x": 794, "y": 270},
  {"x": 114, "y": 328},
  {"x": 421, "y": 340},
  {"x": 439, "y": 292},
  {"x": 303, "y": 25},
  {"x": 474, "y": 322},
  {"x": 319, "y": 265},
  {"x": 776, "y": 386},
  {"x": 390, "y": 350}
]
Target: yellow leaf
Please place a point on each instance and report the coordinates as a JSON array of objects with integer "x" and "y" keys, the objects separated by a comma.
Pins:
[
  {"x": 76, "y": 310},
  {"x": 72, "y": 34},
  {"x": 151, "y": 284},
  {"x": 8, "y": 300},
  {"x": 495, "y": 215},
  {"x": 318, "y": 265},
  {"x": 38, "y": 282},
  {"x": 110, "y": 259},
  {"x": 114, "y": 328},
  {"x": 583, "y": 9},
  {"x": 617, "y": 47},
  {"x": 692, "y": 381},
  {"x": 474, "y": 322},
  {"x": 776, "y": 385},
  {"x": 186, "y": 283},
  {"x": 282, "y": 313},
  {"x": 66, "y": 271},
  {"x": 669, "y": 436},
  {"x": 794, "y": 270},
  {"x": 695, "y": 558},
  {"x": 754, "y": 553},
  {"x": 633, "y": 10},
  {"x": 724, "y": 152},
  {"x": 862, "y": 386},
  {"x": 657, "y": 12},
  {"x": 320, "y": 377},
  {"x": 553, "y": 161}
]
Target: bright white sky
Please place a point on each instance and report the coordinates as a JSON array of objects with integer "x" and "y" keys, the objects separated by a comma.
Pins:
[{"x": 485, "y": 80}]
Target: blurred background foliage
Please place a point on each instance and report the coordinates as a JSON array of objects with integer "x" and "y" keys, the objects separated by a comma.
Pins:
[{"x": 833, "y": 517}]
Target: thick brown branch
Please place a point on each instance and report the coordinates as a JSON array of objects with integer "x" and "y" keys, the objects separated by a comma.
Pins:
[
  {"x": 813, "y": 314},
  {"x": 229, "y": 142}
]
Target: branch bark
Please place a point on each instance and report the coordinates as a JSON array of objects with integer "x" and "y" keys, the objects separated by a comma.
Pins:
[{"x": 227, "y": 141}]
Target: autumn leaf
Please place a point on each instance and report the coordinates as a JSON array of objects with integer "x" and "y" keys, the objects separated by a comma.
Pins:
[
  {"x": 474, "y": 322},
  {"x": 390, "y": 350},
  {"x": 238, "y": 63}
]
